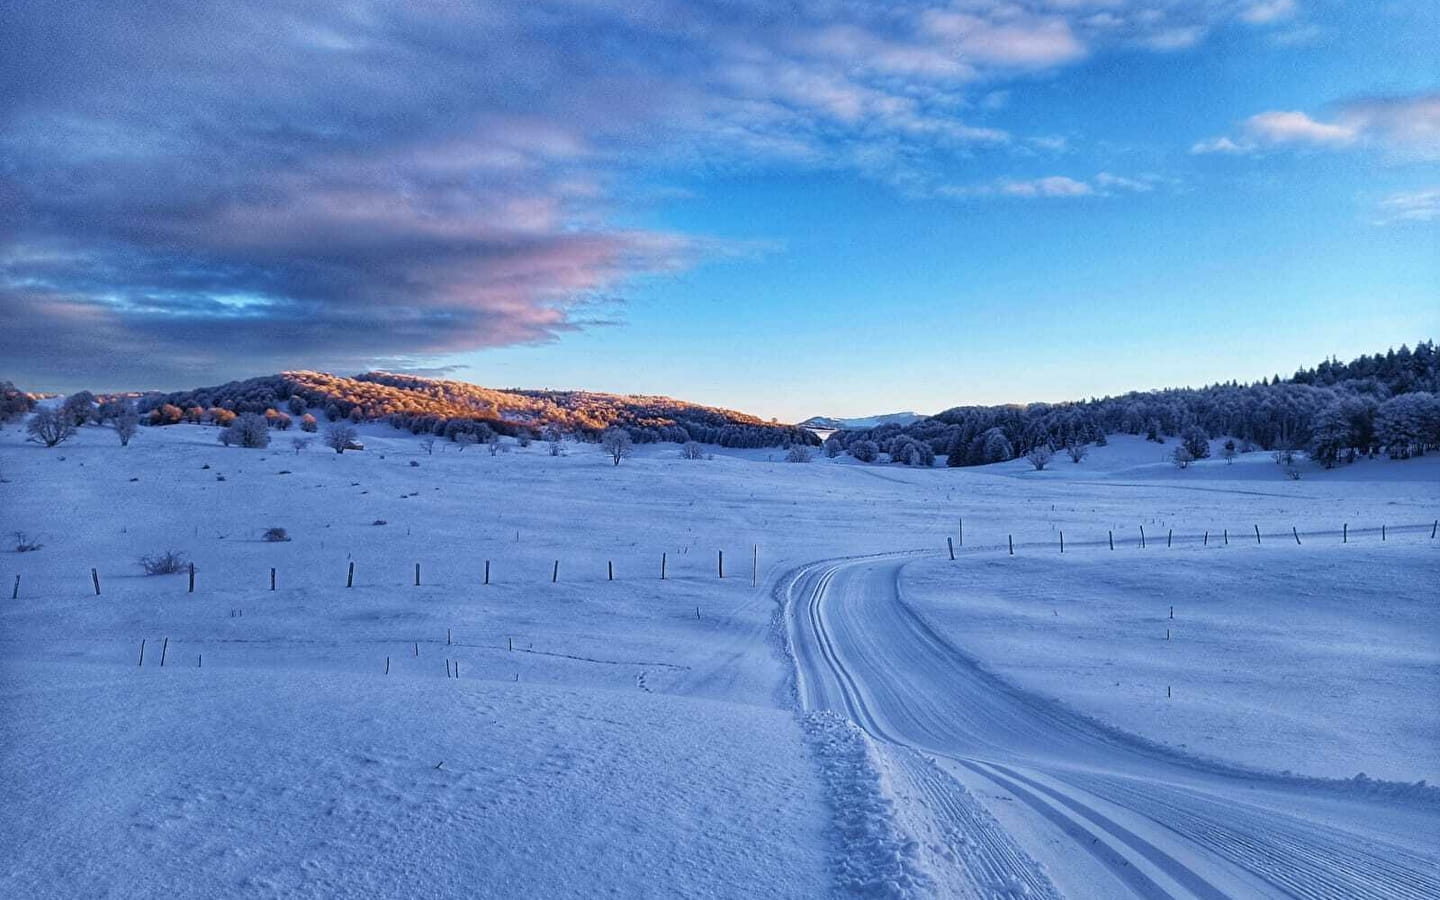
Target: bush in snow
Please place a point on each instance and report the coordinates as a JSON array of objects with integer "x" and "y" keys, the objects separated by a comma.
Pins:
[
  {"x": 249, "y": 430},
  {"x": 1195, "y": 440},
  {"x": 25, "y": 544},
  {"x": 126, "y": 424},
  {"x": 79, "y": 407},
  {"x": 832, "y": 447},
  {"x": 692, "y": 450},
  {"x": 463, "y": 439},
  {"x": 617, "y": 443},
  {"x": 865, "y": 451},
  {"x": 49, "y": 427},
  {"x": 1077, "y": 451},
  {"x": 428, "y": 445},
  {"x": 339, "y": 437},
  {"x": 276, "y": 535},
  {"x": 167, "y": 563},
  {"x": 1229, "y": 451},
  {"x": 299, "y": 444},
  {"x": 798, "y": 453},
  {"x": 1039, "y": 456},
  {"x": 1182, "y": 458}
]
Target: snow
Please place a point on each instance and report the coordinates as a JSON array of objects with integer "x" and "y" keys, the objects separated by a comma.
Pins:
[{"x": 625, "y": 745}]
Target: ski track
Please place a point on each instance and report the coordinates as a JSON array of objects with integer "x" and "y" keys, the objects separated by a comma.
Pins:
[{"x": 1158, "y": 823}]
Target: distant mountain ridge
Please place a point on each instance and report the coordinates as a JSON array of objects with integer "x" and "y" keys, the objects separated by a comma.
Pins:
[
  {"x": 841, "y": 424},
  {"x": 441, "y": 406}
]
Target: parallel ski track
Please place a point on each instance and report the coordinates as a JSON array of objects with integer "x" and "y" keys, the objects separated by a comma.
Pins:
[{"x": 1162, "y": 824}]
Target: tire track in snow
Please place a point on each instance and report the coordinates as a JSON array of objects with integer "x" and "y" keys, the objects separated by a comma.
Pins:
[{"x": 1161, "y": 824}]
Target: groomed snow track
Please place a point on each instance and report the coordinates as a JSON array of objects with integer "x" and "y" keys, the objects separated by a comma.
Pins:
[{"x": 1106, "y": 813}]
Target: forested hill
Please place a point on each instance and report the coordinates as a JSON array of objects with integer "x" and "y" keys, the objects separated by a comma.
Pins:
[
  {"x": 1387, "y": 402},
  {"x": 429, "y": 405}
]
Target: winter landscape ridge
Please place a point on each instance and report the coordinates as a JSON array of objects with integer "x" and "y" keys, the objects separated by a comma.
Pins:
[{"x": 511, "y": 666}]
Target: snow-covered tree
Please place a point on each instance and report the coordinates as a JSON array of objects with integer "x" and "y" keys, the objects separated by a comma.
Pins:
[
  {"x": 617, "y": 443},
  {"x": 50, "y": 427},
  {"x": 249, "y": 430}
]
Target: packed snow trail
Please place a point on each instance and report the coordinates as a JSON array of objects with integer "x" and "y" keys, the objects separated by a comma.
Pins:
[{"x": 1150, "y": 821}]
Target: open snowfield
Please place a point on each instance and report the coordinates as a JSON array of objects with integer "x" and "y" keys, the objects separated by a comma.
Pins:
[{"x": 637, "y": 737}]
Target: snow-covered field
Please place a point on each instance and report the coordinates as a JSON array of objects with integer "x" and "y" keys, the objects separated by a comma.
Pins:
[{"x": 638, "y": 737}]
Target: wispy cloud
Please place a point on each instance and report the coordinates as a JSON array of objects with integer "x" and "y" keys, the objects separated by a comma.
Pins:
[
  {"x": 1409, "y": 206},
  {"x": 1401, "y": 126},
  {"x": 1103, "y": 184}
]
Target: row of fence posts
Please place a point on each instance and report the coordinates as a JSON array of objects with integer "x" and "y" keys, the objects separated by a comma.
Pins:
[
  {"x": 950, "y": 542},
  {"x": 554, "y": 572}
]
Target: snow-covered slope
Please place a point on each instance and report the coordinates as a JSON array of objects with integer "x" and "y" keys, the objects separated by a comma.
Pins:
[
  {"x": 834, "y": 423},
  {"x": 634, "y": 736}
]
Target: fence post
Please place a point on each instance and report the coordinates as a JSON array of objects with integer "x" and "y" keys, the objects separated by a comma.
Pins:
[
  {"x": 950, "y": 542},
  {"x": 1206, "y": 541},
  {"x": 1345, "y": 533},
  {"x": 610, "y": 567},
  {"x": 350, "y": 575},
  {"x": 95, "y": 577},
  {"x": 662, "y": 566},
  {"x": 1227, "y": 537},
  {"x": 720, "y": 562},
  {"x": 417, "y": 574},
  {"x": 754, "y": 565},
  {"x": 15, "y": 594},
  {"x": 272, "y": 578},
  {"x": 555, "y": 573},
  {"x": 487, "y": 571},
  {"x": 1296, "y": 533},
  {"x": 1433, "y": 528},
  {"x": 192, "y": 579},
  {"x": 1062, "y": 542},
  {"x": 962, "y": 532},
  {"x": 1257, "y": 534},
  {"x": 1011, "y": 539},
  {"x": 1169, "y": 537},
  {"x": 142, "y": 652},
  {"x": 164, "y": 648},
  {"x": 1142, "y": 537},
  {"x": 1112, "y": 539},
  {"x": 1382, "y": 532}
]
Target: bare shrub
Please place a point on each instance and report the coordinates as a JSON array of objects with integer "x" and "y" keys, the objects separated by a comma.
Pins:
[
  {"x": 692, "y": 450},
  {"x": 799, "y": 453},
  {"x": 339, "y": 437},
  {"x": 275, "y": 535},
  {"x": 166, "y": 563},
  {"x": 248, "y": 430},
  {"x": 1182, "y": 458},
  {"x": 1039, "y": 456},
  {"x": 428, "y": 445},
  {"x": 463, "y": 439},
  {"x": 617, "y": 443},
  {"x": 299, "y": 444},
  {"x": 1077, "y": 452},
  {"x": 127, "y": 423},
  {"x": 26, "y": 544},
  {"x": 49, "y": 427}
]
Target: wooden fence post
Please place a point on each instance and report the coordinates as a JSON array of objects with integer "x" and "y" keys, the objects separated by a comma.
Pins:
[
  {"x": 142, "y": 652},
  {"x": 95, "y": 577},
  {"x": 1062, "y": 542},
  {"x": 1112, "y": 539},
  {"x": 15, "y": 594},
  {"x": 272, "y": 578},
  {"x": 192, "y": 579},
  {"x": 662, "y": 566},
  {"x": 949, "y": 542},
  {"x": 1011, "y": 539},
  {"x": 1142, "y": 537},
  {"x": 1169, "y": 537},
  {"x": 350, "y": 575},
  {"x": 754, "y": 564},
  {"x": 487, "y": 571},
  {"x": 1345, "y": 533},
  {"x": 555, "y": 573},
  {"x": 164, "y": 648},
  {"x": 1296, "y": 533},
  {"x": 720, "y": 562},
  {"x": 962, "y": 532},
  {"x": 1257, "y": 534},
  {"x": 610, "y": 565},
  {"x": 417, "y": 574}
]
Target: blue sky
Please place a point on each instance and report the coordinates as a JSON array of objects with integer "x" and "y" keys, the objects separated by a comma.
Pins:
[{"x": 838, "y": 208}]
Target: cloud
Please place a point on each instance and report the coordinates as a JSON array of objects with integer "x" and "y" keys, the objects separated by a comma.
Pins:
[
  {"x": 1409, "y": 206},
  {"x": 1103, "y": 184},
  {"x": 1405, "y": 127},
  {"x": 207, "y": 190},
  {"x": 1268, "y": 11}
]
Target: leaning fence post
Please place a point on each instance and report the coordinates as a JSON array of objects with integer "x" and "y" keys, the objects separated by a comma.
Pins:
[
  {"x": 95, "y": 577},
  {"x": 142, "y": 652},
  {"x": 1433, "y": 528},
  {"x": 1257, "y": 534},
  {"x": 164, "y": 648},
  {"x": 950, "y": 542},
  {"x": 555, "y": 573},
  {"x": 1011, "y": 539},
  {"x": 1112, "y": 539},
  {"x": 1296, "y": 533},
  {"x": 1062, "y": 542},
  {"x": 350, "y": 575},
  {"x": 15, "y": 594},
  {"x": 1206, "y": 541},
  {"x": 1169, "y": 537},
  {"x": 1142, "y": 537}
]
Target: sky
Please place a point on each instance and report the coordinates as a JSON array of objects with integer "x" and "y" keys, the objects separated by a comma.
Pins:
[{"x": 832, "y": 207}]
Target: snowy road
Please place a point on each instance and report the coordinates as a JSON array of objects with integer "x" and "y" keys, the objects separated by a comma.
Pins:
[{"x": 1108, "y": 814}]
